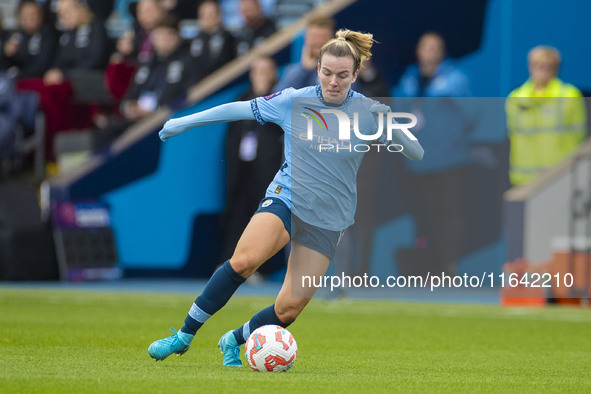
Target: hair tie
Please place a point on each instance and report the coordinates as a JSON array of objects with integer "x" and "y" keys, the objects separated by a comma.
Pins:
[{"x": 341, "y": 38}]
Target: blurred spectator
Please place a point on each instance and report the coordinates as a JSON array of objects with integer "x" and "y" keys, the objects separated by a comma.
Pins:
[
  {"x": 371, "y": 82},
  {"x": 437, "y": 181},
  {"x": 17, "y": 110},
  {"x": 231, "y": 17},
  {"x": 165, "y": 79},
  {"x": 133, "y": 48},
  {"x": 546, "y": 118},
  {"x": 433, "y": 75},
  {"x": 148, "y": 14},
  {"x": 256, "y": 27},
  {"x": 123, "y": 48},
  {"x": 29, "y": 51},
  {"x": 83, "y": 45},
  {"x": 101, "y": 9},
  {"x": 214, "y": 46},
  {"x": 305, "y": 73},
  {"x": 121, "y": 68},
  {"x": 82, "y": 51},
  {"x": 162, "y": 81},
  {"x": 253, "y": 153}
]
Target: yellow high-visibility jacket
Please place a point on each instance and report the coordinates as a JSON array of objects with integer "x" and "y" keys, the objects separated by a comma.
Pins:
[{"x": 544, "y": 127}]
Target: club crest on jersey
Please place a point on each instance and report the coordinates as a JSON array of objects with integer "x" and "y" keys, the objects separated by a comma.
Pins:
[
  {"x": 269, "y": 97},
  {"x": 266, "y": 203}
]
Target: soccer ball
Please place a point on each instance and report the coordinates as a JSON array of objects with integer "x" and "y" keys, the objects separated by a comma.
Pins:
[{"x": 271, "y": 349}]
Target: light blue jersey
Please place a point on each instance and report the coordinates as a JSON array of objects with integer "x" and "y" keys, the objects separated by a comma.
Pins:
[{"x": 318, "y": 179}]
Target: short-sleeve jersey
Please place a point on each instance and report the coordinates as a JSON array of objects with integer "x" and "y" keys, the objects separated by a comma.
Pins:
[{"x": 318, "y": 180}]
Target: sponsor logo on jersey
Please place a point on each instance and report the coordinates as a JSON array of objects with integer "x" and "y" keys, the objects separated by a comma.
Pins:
[{"x": 267, "y": 203}]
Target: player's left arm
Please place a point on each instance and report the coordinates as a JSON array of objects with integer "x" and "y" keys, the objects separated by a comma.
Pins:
[{"x": 411, "y": 147}]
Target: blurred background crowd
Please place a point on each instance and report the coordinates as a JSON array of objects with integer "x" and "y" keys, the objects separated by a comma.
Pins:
[{"x": 107, "y": 64}]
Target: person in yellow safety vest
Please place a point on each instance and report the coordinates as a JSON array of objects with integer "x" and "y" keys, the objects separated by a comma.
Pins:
[{"x": 546, "y": 118}]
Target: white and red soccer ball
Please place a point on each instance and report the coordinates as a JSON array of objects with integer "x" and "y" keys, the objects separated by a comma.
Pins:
[{"x": 271, "y": 348}]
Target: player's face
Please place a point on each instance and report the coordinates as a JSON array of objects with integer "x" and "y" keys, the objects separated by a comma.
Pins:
[{"x": 336, "y": 76}]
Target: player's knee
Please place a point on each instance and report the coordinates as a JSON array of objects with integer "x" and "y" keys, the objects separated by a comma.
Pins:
[{"x": 244, "y": 265}]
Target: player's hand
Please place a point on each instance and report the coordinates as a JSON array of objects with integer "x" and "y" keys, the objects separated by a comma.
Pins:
[
  {"x": 379, "y": 108},
  {"x": 171, "y": 129}
]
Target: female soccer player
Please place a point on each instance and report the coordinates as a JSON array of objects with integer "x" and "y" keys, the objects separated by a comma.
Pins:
[{"x": 311, "y": 200}]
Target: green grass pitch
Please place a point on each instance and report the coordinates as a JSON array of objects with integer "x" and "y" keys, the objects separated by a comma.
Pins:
[{"x": 68, "y": 341}]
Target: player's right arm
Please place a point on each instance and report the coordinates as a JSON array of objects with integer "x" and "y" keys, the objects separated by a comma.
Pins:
[{"x": 239, "y": 110}]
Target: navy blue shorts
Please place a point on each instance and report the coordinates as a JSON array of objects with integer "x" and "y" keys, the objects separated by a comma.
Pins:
[{"x": 316, "y": 238}]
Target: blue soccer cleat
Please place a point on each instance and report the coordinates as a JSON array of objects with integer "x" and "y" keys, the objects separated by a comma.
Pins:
[
  {"x": 178, "y": 343},
  {"x": 231, "y": 350}
]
